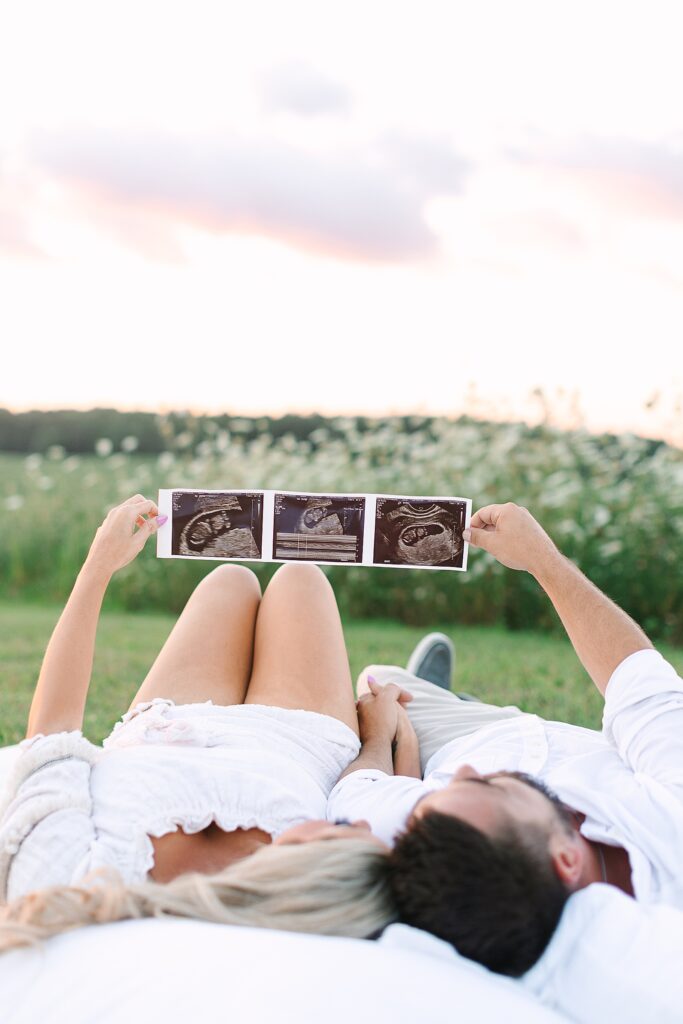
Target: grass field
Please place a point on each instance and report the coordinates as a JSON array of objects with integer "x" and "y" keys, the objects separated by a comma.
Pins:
[{"x": 537, "y": 672}]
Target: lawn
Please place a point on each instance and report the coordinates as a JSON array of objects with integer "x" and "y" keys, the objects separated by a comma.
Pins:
[{"x": 539, "y": 673}]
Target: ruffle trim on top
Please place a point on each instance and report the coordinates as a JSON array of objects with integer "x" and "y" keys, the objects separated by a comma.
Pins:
[{"x": 197, "y": 823}]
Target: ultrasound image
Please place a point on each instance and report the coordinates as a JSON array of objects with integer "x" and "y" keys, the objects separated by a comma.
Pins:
[
  {"x": 411, "y": 531},
  {"x": 318, "y": 528},
  {"x": 223, "y": 524}
]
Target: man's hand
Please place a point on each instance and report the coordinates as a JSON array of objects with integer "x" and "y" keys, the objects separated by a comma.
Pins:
[
  {"x": 512, "y": 535},
  {"x": 406, "y": 747},
  {"x": 602, "y": 634},
  {"x": 378, "y": 711}
]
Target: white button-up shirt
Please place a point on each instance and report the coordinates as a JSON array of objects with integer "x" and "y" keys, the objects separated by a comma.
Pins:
[{"x": 627, "y": 780}]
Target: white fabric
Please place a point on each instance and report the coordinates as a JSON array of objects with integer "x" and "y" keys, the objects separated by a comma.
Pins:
[
  {"x": 612, "y": 959},
  {"x": 437, "y": 715},
  {"x": 77, "y": 807},
  {"x": 627, "y": 780},
  {"x": 173, "y": 972}
]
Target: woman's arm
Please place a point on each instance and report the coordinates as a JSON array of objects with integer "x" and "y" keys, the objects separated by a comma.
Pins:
[{"x": 60, "y": 694}]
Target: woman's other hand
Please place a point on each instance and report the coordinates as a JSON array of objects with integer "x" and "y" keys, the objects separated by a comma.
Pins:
[{"x": 123, "y": 534}]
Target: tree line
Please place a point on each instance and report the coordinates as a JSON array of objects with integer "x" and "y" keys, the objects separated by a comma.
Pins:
[{"x": 78, "y": 431}]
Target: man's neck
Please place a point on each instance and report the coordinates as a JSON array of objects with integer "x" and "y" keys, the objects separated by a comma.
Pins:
[
  {"x": 617, "y": 867},
  {"x": 608, "y": 864}
]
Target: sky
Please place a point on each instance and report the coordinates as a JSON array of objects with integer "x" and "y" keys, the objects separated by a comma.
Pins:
[{"x": 345, "y": 207}]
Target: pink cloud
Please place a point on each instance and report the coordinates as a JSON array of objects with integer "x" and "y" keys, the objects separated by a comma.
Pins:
[
  {"x": 366, "y": 205},
  {"x": 643, "y": 178}
]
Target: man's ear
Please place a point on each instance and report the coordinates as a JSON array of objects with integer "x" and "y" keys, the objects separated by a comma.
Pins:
[{"x": 566, "y": 853}]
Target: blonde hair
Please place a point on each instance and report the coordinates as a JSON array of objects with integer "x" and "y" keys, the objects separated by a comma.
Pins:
[{"x": 331, "y": 887}]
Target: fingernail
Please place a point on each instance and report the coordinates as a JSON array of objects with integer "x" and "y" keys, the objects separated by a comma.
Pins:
[
  {"x": 161, "y": 520},
  {"x": 467, "y": 534},
  {"x": 371, "y": 679}
]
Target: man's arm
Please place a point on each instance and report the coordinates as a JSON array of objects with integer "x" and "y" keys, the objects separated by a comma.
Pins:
[
  {"x": 602, "y": 634},
  {"x": 406, "y": 748}
]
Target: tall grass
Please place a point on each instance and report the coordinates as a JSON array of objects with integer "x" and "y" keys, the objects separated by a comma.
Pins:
[{"x": 613, "y": 504}]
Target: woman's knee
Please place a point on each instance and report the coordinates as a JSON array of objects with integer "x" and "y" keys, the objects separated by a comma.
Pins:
[
  {"x": 231, "y": 579},
  {"x": 300, "y": 576}
]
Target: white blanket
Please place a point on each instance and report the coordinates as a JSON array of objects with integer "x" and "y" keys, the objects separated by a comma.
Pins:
[{"x": 611, "y": 959}]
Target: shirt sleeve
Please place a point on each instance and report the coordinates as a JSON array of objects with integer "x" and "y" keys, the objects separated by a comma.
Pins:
[
  {"x": 46, "y": 824},
  {"x": 384, "y": 801},
  {"x": 643, "y": 716}
]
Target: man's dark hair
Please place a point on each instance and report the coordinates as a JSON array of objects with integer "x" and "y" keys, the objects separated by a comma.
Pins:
[{"x": 496, "y": 899}]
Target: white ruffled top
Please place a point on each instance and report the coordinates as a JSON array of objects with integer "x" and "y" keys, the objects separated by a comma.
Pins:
[{"x": 72, "y": 807}]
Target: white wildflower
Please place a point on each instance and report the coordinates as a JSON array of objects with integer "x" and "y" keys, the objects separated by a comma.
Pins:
[
  {"x": 14, "y": 502},
  {"x": 103, "y": 447},
  {"x": 601, "y": 516},
  {"x": 129, "y": 444},
  {"x": 56, "y": 452},
  {"x": 184, "y": 439}
]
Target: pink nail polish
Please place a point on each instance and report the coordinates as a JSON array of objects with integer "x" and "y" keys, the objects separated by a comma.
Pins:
[
  {"x": 161, "y": 520},
  {"x": 371, "y": 679}
]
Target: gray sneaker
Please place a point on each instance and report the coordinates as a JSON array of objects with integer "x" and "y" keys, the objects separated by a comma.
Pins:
[{"x": 433, "y": 659}]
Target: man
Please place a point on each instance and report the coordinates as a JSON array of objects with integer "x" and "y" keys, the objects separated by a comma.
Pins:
[{"x": 515, "y": 813}]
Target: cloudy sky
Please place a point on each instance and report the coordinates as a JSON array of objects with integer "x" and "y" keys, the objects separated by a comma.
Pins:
[{"x": 359, "y": 206}]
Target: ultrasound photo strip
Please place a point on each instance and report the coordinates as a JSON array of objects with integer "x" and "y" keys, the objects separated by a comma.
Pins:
[{"x": 391, "y": 530}]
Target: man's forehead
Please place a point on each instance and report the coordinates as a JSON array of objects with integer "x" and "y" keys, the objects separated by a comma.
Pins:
[{"x": 479, "y": 803}]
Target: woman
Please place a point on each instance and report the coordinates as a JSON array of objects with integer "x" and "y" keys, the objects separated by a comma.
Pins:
[{"x": 239, "y": 731}]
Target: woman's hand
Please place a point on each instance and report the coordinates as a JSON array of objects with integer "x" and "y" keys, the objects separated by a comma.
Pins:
[
  {"x": 378, "y": 711},
  {"x": 117, "y": 542}
]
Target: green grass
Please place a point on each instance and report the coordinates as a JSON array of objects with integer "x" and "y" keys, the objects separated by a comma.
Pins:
[{"x": 537, "y": 672}]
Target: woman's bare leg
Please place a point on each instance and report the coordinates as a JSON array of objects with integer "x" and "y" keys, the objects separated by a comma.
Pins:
[
  {"x": 208, "y": 654},
  {"x": 300, "y": 658}
]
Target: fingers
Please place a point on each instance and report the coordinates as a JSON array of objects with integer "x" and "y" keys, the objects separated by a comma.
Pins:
[
  {"x": 486, "y": 516},
  {"x": 483, "y": 525},
  {"x": 478, "y": 538},
  {"x": 138, "y": 509},
  {"x": 392, "y": 691},
  {"x": 141, "y": 504},
  {"x": 147, "y": 528}
]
